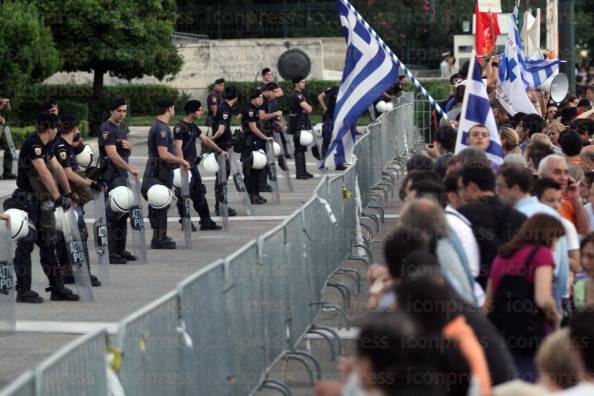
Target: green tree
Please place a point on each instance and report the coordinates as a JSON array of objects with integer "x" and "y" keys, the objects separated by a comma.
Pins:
[
  {"x": 125, "y": 38},
  {"x": 28, "y": 53}
]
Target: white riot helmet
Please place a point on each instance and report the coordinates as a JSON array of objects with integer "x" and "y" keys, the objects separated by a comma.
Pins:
[
  {"x": 177, "y": 180},
  {"x": 209, "y": 163},
  {"x": 381, "y": 106},
  {"x": 259, "y": 160},
  {"x": 276, "y": 148},
  {"x": 121, "y": 199},
  {"x": 317, "y": 130},
  {"x": 389, "y": 106},
  {"x": 159, "y": 196},
  {"x": 19, "y": 223},
  {"x": 85, "y": 157},
  {"x": 306, "y": 138}
]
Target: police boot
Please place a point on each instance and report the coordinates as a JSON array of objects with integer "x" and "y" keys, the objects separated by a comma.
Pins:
[
  {"x": 300, "y": 166},
  {"x": 58, "y": 291},
  {"x": 126, "y": 255},
  {"x": 161, "y": 241},
  {"x": 94, "y": 280},
  {"x": 209, "y": 225},
  {"x": 193, "y": 227}
]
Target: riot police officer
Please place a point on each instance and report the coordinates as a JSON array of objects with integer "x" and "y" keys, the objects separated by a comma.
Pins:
[
  {"x": 159, "y": 170},
  {"x": 255, "y": 140},
  {"x": 270, "y": 116},
  {"x": 114, "y": 154},
  {"x": 38, "y": 194},
  {"x": 327, "y": 100},
  {"x": 222, "y": 137},
  {"x": 184, "y": 134},
  {"x": 214, "y": 101},
  {"x": 7, "y": 160},
  {"x": 81, "y": 187},
  {"x": 298, "y": 120}
]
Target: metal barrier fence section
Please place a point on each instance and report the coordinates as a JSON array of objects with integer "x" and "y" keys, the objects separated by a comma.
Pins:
[{"x": 224, "y": 328}]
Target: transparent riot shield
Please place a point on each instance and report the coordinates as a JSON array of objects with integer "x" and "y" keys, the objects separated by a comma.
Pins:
[
  {"x": 187, "y": 201},
  {"x": 288, "y": 139},
  {"x": 9, "y": 141},
  {"x": 76, "y": 253},
  {"x": 222, "y": 182},
  {"x": 283, "y": 156},
  {"x": 272, "y": 174},
  {"x": 240, "y": 184},
  {"x": 137, "y": 221},
  {"x": 100, "y": 237},
  {"x": 7, "y": 283}
]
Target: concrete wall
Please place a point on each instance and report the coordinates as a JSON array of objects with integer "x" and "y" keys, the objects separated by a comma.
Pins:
[{"x": 239, "y": 60}]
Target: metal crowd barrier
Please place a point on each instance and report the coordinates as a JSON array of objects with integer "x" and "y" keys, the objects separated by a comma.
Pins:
[{"x": 223, "y": 329}]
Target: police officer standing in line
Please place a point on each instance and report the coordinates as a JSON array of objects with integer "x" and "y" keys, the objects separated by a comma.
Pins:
[
  {"x": 214, "y": 101},
  {"x": 7, "y": 161},
  {"x": 270, "y": 117},
  {"x": 298, "y": 120},
  {"x": 327, "y": 100},
  {"x": 185, "y": 133},
  {"x": 37, "y": 193},
  {"x": 114, "y": 154},
  {"x": 255, "y": 140},
  {"x": 81, "y": 187},
  {"x": 159, "y": 168},
  {"x": 222, "y": 137}
]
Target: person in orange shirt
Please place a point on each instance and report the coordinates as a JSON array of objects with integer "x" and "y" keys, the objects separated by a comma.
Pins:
[{"x": 555, "y": 167}]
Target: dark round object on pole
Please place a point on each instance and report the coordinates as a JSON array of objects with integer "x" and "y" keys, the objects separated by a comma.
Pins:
[{"x": 293, "y": 63}]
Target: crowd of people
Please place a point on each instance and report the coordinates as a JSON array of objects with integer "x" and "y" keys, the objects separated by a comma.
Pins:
[{"x": 488, "y": 282}]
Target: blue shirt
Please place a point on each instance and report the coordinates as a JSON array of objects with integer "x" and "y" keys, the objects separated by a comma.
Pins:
[
  {"x": 160, "y": 135},
  {"x": 112, "y": 134}
]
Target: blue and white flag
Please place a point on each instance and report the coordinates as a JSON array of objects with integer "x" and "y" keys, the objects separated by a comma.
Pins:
[
  {"x": 511, "y": 91},
  {"x": 534, "y": 71},
  {"x": 369, "y": 70},
  {"x": 476, "y": 110}
]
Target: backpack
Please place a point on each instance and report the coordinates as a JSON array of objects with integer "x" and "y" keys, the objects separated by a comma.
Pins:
[{"x": 515, "y": 313}]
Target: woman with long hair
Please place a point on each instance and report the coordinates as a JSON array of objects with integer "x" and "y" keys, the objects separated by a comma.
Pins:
[{"x": 519, "y": 298}]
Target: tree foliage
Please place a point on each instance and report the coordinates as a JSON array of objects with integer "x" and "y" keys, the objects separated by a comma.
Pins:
[
  {"x": 126, "y": 38},
  {"x": 28, "y": 53}
]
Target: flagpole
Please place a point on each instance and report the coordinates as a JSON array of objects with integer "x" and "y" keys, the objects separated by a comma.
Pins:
[{"x": 401, "y": 65}]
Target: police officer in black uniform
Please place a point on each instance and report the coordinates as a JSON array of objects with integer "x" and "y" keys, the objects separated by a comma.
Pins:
[
  {"x": 255, "y": 140},
  {"x": 270, "y": 116},
  {"x": 184, "y": 134},
  {"x": 159, "y": 170},
  {"x": 298, "y": 120},
  {"x": 7, "y": 160},
  {"x": 114, "y": 154},
  {"x": 37, "y": 193},
  {"x": 81, "y": 187},
  {"x": 222, "y": 137},
  {"x": 214, "y": 101}
]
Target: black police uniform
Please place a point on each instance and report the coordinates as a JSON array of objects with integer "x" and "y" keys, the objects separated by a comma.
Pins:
[
  {"x": 188, "y": 133},
  {"x": 159, "y": 171},
  {"x": 214, "y": 98},
  {"x": 330, "y": 96},
  {"x": 37, "y": 203},
  {"x": 252, "y": 143},
  {"x": 64, "y": 153},
  {"x": 223, "y": 117},
  {"x": 298, "y": 120},
  {"x": 111, "y": 134}
]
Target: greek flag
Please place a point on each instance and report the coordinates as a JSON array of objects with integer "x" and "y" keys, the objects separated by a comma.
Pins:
[
  {"x": 369, "y": 70},
  {"x": 476, "y": 110},
  {"x": 511, "y": 92},
  {"x": 534, "y": 71}
]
